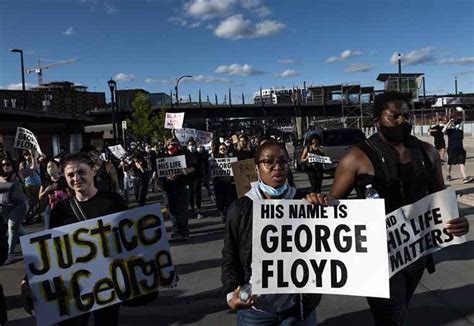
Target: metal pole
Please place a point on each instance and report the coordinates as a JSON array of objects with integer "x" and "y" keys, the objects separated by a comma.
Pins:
[
  {"x": 114, "y": 129},
  {"x": 455, "y": 85},
  {"x": 23, "y": 80},
  {"x": 399, "y": 72}
]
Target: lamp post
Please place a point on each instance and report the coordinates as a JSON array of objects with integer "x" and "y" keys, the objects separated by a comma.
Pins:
[
  {"x": 22, "y": 75},
  {"x": 113, "y": 86},
  {"x": 399, "y": 72},
  {"x": 176, "y": 88}
]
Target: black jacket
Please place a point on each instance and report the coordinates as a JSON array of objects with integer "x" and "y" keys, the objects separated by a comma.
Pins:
[{"x": 237, "y": 253}]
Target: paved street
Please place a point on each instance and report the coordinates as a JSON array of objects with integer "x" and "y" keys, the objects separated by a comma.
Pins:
[{"x": 443, "y": 298}]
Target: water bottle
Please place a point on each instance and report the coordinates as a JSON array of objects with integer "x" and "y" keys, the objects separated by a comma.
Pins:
[
  {"x": 371, "y": 193},
  {"x": 245, "y": 292}
]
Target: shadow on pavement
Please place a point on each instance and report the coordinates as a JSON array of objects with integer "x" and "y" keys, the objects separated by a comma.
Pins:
[
  {"x": 183, "y": 269},
  {"x": 464, "y": 251},
  {"x": 423, "y": 310},
  {"x": 199, "y": 239}
]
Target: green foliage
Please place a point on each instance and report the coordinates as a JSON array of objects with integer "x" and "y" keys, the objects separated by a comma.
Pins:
[{"x": 145, "y": 124}]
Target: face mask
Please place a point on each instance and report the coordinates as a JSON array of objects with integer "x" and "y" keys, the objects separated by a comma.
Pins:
[
  {"x": 173, "y": 150},
  {"x": 227, "y": 144},
  {"x": 53, "y": 171},
  {"x": 269, "y": 190},
  {"x": 200, "y": 149},
  {"x": 396, "y": 134},
  {"x": 191, "y": 148},
  {"x": 147, "y": 149}
]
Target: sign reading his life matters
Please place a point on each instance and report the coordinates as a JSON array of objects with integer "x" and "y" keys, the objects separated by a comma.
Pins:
[
  {"x": 416, "y": 230},
  {"x": 25, "y": 139},
  {"x": 298, "y": 247},
  {"x": 222, "y": 167},
  {"x": 244, "y": 174},
  {"x": 314, "y": 158},
  {"x": 174, "y": 120},
  {"x": 170, "y": 166},
  {"x": 118, "y": 151},
  {"x": 82, "y": 267}
]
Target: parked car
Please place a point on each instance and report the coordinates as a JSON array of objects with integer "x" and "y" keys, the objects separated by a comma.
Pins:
[{"x": 335, "y": 143}]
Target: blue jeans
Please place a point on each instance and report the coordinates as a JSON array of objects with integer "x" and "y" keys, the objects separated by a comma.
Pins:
[
  {"x": 249, "y": 317},
  {"x": 14, "y": 215}
]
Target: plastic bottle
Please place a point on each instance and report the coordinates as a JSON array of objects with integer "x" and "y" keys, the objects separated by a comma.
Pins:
[
  {"x": 245, "y": 292},
  {"x": 371, "y": 193}
]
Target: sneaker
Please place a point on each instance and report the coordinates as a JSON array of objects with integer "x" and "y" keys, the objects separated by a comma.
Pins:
[
  {"x": 9, "y": 260},
  {"x": 199, "y": 215},
  {"x": 448, "y": 178},
  {"x": 467, "y": 180}
]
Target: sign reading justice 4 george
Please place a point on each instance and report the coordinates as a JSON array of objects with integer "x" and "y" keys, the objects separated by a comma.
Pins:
[
  {"x": 298, "y": 247},
  {"x": 92, "y": 264}
]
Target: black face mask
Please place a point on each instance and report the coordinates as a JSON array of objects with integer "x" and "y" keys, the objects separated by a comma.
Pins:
[{"x": 396, "y": 134}]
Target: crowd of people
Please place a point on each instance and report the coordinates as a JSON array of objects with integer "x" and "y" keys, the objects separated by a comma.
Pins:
[{"x": 93, "y": 183}]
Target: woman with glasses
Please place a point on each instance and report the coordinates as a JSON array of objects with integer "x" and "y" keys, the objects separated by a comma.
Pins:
[
  {"x": 224, "y": 188},
  {"x": 13, "y": 205},
  {"x": 272, "y": 164},
  {"x": 313, "y": 169}
]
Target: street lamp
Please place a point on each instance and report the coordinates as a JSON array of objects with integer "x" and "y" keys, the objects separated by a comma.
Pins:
[
  {"x": 112, "y": 87},
  {"x": 176, "y": 87},
  {"x": 22, "y": 75}
]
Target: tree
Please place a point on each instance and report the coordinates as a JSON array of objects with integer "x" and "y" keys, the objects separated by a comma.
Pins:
[{"x": 145, "y": 124}]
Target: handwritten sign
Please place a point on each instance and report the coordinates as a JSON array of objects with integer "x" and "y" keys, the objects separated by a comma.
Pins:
[
  {"x": 244, "y": 173},
  {"x": 118, "y": 151},
  {"x": 25, "y": 139},
  {"x": 174, "y": 120}
]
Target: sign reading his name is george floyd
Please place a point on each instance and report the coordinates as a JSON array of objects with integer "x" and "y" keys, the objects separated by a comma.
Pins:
[
  {"x": 298, "y": 247},
  {"x": 222, "y": 167},
  {"x": 313, "y": 158},
  {"x": 174, "y": 120},
  {"x": 419, "y": 229},
  {"x": 82, "y": 267},
  {"x": 170, "y": 166},
  {"x": 118, "y": 151},
  {"x": 25, "y": 139}
]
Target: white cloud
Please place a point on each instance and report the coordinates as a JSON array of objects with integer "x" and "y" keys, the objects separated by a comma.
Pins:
[
  {"x": 195, "y": 24},
  {"x": 209, "y": 79},
  {"x": 124, "y": 77},
  {"x": 207, "y": 9},
  {"x": 178, "y": 21},
  {"x": 240, "y": 70},
  {"x": 236, "y": 27},
  {"x": 358, "y": 67},
  {"x": 69, "y": 31},
  {"x": 415, "y": 57},
  {"x": 286, "y": 61},
  {"x": 288, "y": 73},
  {"x": 111, "y": 10},
  {"x": 19, "y": 86},
  {"x": 157, "y": 81},
  {"x": 459, "y": 61},
  {"x": 343, "y": 56}
]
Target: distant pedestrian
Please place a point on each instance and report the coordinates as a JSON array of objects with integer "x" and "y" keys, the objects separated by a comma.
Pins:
[
  {"x": 313, "y": 169},
  {"x": 437, "y": 132},
  {"x": 456, "y": 151},
  {"x": 106, "y": 178}
]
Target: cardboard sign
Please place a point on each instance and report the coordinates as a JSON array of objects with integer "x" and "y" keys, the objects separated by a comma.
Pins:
[
  {"x": 299, "y": 247},
  {"x": 174, "y": 120},
  {"x": 89, "y": 265},
  {"x": 25, "y": 139},
  {"x": 222, "y": 167},
  {"x": 170, "y": 166},
  {"x": 416, "y": 230},
  {"x": 244, "y": 173},
  {"x": 118, "y": 151},
  {"x": 314, "y": 158}
]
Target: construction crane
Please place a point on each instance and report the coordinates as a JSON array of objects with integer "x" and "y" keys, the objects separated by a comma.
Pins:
[{"x": 40, "y": 68}]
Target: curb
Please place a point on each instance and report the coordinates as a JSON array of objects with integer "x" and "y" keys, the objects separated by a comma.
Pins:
[{"x": 466, "y": 199}]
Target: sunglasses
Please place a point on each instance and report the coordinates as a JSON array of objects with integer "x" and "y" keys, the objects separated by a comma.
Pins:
[{"x": 6, "y": 164}]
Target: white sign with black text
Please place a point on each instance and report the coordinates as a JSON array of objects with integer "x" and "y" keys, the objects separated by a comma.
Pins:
[
  {"x": 174, "y": 120},
  {"x": 118, "y": 151},
  {"x": 222, "y": 167},
  {"x": 314, "y": 158},
  {"x": 25, "y": 139},
  {"x": 170, "y": 166}
]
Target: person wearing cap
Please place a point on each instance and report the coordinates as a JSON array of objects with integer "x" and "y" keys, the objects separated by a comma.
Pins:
[{"x": 403, "y": 170}]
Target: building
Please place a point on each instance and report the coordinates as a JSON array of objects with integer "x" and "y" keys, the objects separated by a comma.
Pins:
[{"x": 409, "y": 83}]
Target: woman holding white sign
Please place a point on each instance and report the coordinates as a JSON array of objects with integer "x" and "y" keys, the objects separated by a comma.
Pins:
[
  {"x": 313, "y": 169},
  {"x": 272, "y": 164}
]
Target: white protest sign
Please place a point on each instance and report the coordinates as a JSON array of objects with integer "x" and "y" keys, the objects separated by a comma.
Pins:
[
  {"x": 298, "y": 247},
  {"x": 174, "y": 120},
  {"x": 25, "y": 139},
  {"x": 118, "y": 151},
  {"x": 89, "y": 265},
  {"x": 222, "y": 167},
  {"x": 244, "y": 174},
  {"x": 416, "y": 230},
  {"x": 314, "y": 158},
  {"x": 170, "y": 166},
  {"x": 203, "y": 138}
]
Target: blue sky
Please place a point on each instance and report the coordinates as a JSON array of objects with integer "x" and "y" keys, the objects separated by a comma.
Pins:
[{"x": 241, "y": 44}]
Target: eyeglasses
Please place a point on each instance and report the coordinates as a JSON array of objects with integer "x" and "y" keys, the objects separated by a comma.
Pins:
[
  {"x": 222, "y": 149},
  {"x": 270, "y": 163},
  {"x": 6, "y": 164}
]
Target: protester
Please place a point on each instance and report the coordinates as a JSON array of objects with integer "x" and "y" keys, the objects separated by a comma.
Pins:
[
  {"x": 272, "y": 163},
  {"x": 32, "y": 183},
  {"x": 206, "y": 175},
  {"x": 437, "y": 132},
  {"x": 141, "y": 179},
  {"x": 175, "y": 188},
  {"x": 224, "y": 188},
  {"x": 194, "y": 179},
  {"x": 244, "y": 151},
  {"x": 54, "y": 188},
  {"x": 456, "y": 151},
  {"x": 79, "y": 173},
  {"x": 403, "y": 170},
  {"x": 13, "y": 205},
  {"x": 106, "y": 178},
  {"x": 313, "y": 169}
]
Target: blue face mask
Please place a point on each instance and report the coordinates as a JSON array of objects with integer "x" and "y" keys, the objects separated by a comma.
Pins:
[{"x": 272, "y": 191}]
